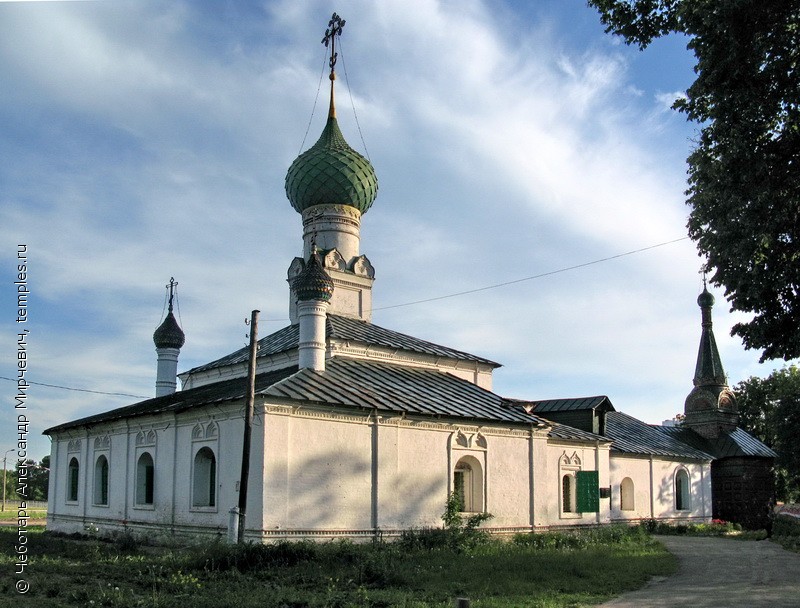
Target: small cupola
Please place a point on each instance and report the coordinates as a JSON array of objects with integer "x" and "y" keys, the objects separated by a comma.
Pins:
[
  {"x": 168, "y": 338},
  {"x": 313, "y": 282},
  {"x": 313, "y": 288}
]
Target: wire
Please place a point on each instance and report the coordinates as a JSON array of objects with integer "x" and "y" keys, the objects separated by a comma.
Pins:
[
  {"x": 531, "y": 278},
  {"x": 536, "y": 276},
  {"x": 79, "y": 390},
  {"x": 352, "y": 103},
  {"x": 316, "y": 99},
  {"x": 444, "y": 297}
]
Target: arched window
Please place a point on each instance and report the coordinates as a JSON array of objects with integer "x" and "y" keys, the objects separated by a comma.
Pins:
[
  {"x": 101, "y": 481},
  {"x": 682, "y": 496},
  {"x": 204, "y": 491},
  {"x": 145, "y": 479},
  {"x": 468, "y": 484},
  {"x": 73, "y": 474},
  {"x": 568, "y": 493},
  {"x": 626, "y": 494}
]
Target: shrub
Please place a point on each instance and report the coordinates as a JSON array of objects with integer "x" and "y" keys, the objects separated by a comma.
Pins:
[
  {"x": 786, "y": 525},
  {"x": 581, "y": 538},
  {"x": 717, "y": 527},
  {"x": 252, "y": 556},
  {"x": 458, "y": 534}
]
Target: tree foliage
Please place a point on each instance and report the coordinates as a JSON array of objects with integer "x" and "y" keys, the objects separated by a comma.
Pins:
[
  {"x": 36, "y": 484},
  {"x": 769, "y": 409},
  {"x": 744, "y": 173}
]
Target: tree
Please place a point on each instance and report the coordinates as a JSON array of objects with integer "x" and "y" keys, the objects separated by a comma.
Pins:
[
  {"x": 744, "y": 173},
  {"x": 38, "y": 478},
  {"x": 769, "y": 409}
]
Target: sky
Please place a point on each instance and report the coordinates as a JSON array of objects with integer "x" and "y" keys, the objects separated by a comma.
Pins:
[{"x": 145, "y": 139}]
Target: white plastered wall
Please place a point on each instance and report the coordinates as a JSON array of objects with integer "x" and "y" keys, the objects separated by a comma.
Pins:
[{"x": 654, "y": 488}]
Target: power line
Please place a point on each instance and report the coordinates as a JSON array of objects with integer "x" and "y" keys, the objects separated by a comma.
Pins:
[
  {"x": 536, "y": 276},
  {"x": 444, "y": 297},
  {"x": 531, "y": 278},
  {"x": 79, "y": 390}
]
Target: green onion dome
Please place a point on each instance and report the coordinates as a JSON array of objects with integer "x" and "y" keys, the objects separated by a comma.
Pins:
[
  {"x": 313, "y": 283},
  {"x": 169, "y": 334},
  {"x": 331, "y": 172}
]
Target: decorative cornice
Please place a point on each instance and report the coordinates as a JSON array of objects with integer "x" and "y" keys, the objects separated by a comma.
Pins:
[{"x": 331, "y": 211}]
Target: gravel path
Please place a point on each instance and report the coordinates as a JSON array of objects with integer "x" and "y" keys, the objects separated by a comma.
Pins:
[{"x": 721, "y": 573}]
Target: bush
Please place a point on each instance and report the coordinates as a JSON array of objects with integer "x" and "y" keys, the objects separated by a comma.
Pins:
[
  {"x": 786, "y": 532},
  {"x": 253, "y": 556},
  {"x": 582, "y": 538},
  {"x": 458, "y": 534},
  {"x": 716, "y": 527},
  {"x": 786, "y": 525}
]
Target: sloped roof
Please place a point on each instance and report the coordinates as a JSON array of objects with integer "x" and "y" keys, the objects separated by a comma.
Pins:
[
  {"x": 545, "y": 406},
  {"x": 737, "y": 442},
  {"x": 632, "y": 436},
  {"x": 562, "y": 431},
  {"x": 351, "y": 383},
  {"x": 395, "y": 388},
  {"x": 343, "y": 328},
  {"x": 225, "y": 390}
]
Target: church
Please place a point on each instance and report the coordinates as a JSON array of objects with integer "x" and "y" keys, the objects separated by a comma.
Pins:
[{"x": 362, "y": 432}]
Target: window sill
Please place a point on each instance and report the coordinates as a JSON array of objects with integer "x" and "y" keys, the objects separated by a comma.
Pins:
[
  {"x": 199, "y": 509},
  {"x": 102, "y": 505},
  {"x": 145, "y": 507},
  {"x": 570, "y": 515}
]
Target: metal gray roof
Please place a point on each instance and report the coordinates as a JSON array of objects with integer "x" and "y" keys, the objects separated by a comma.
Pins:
[
  {"x": 345, "y": 383},
  {"x": 353, "y": 383},
  {"x": 346, "y": 329},
  {"x": 632, "y": 436},
  {"x": 545, "y": 406},
  {"x": 737, "y": 442},
  {"x": 395, "y": 388},
  {"x": 225, "y": 390},
  {"x": 562, "y": 431}
]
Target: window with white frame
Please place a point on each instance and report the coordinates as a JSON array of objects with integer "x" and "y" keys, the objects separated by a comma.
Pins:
[
  {"x": 73, "y": 479},
  {"x": 626, "y": 496},
  {"x": 568, "y": 492},
  {"x": 468, "y": 484},
  {"x": 683, "y": 498},
  {"x": 568, "y": 467},
  {"x": 145, "y": 479},
  {"x": 100, "y": 494},
  {"x": 204, "y": 478}
]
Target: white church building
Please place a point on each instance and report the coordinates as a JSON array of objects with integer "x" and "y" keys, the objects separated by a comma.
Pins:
[{"x": 360, "y": 431}]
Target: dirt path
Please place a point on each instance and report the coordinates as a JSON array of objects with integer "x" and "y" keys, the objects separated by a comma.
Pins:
[{"x": 721, "y": 573}]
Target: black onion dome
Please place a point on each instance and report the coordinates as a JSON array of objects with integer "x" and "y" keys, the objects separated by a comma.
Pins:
[
  {"x": 705, "y": 299},
  {"x": 169, "y": 334},
  {"x": 313, "y": 283}
]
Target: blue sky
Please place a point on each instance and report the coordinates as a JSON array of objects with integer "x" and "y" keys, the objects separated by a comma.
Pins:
[{"x": 150, "y": 139}]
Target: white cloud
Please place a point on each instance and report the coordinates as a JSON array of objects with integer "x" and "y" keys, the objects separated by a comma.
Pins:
[{"x": 153, "y": 141}]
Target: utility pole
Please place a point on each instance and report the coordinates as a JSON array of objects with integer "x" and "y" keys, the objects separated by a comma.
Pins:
[
  {"x": 248, "y": 425},
  {"x": 5, "y": 460}
]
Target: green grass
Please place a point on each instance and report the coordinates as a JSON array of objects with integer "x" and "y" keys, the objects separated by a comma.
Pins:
[
  {"x": 553, "y": 571},
  {"x": 11, "y": 512}
]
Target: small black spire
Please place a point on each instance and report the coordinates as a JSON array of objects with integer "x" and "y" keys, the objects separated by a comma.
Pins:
[{"x": 708, "y": 370}]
